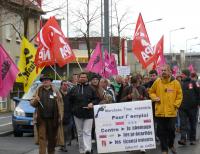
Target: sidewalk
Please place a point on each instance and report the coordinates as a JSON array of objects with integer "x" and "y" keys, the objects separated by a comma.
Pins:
[{"x": 6, "y": 113}]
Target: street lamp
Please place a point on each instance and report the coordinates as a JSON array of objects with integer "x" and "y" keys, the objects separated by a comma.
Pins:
[
  {"x": 124, "y": 27},
  {"x": 189, "y": 40},
  {"x": 173, "y": 30},
  {"x": 159, "y": 19},
  {"x": 193, "y": 38},
  {"x": 191, "y": 51}
]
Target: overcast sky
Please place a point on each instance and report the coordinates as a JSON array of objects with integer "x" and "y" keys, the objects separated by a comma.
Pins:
[{"x": 174, "y": 13}]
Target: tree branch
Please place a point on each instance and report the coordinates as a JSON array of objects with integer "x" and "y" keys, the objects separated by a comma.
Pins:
[{"x": 13, "y": 28}]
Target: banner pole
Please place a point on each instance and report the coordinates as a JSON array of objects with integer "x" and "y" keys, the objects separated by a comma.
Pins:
[
  {"x": 79, "y": 65},
  {"x": 55, "y": 72}
]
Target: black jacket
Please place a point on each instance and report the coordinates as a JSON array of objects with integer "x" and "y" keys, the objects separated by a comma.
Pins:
[
  {"x": 148, "y": 84},
  {"x": 67, "y": 109},
  {"x": 190, "y": 94},
  {"x": 80, "y": 96}
]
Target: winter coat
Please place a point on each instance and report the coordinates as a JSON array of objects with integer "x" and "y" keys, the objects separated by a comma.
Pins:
[
  {"x": 103, "y": 95},
  {"x": 190, "y": 94},
  {"x": 37, "y": 116},
  {"x": 130, "y": 90},
  {"x": 80, "y": 96},
  {"x": 170, "y": 93},
  {"x": 67, "y": 108}
]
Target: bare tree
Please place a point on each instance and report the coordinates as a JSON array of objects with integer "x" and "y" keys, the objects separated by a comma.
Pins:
[
  {"x": 120, "y": 28},
  {"x": 88, "y": 19},
  {"x": 25, "y": 9}
]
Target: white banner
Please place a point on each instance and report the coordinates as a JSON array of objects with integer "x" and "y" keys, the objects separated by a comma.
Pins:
[
  {"x": 123, "y": 70},
  {"x": 124, "y": 126}
]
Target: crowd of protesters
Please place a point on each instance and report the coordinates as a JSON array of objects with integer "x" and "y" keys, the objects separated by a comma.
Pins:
[{"x": 175, "y": 103}]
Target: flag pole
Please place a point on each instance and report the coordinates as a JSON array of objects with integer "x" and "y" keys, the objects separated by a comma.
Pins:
[
  {"x": 55, "y": 72},
  {"x": 79, "y": 65}
]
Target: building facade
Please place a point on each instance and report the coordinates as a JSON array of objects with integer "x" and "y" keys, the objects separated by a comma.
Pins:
[{"x": 17, "y": 18}]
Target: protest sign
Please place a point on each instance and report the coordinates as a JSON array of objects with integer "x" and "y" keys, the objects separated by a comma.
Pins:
[
  {"x": 124, "y": 126},
  {"x": 123, "y": 70}
]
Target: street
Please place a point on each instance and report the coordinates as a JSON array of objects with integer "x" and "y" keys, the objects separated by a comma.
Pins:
[
  {"x": 25, "y": 145},
  {"x": 5, "y": 124}
]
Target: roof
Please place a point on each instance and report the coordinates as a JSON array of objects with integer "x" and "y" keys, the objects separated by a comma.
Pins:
[{"x": 27, "y": 4}]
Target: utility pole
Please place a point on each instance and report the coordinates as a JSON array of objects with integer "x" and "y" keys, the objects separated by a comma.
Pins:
[
  {"x": 106, "y": 41},
  {"x": 67, "y": 32}
]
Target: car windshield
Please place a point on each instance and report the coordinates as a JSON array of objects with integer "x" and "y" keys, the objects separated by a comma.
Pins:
[{"x": 35, "y": 85}]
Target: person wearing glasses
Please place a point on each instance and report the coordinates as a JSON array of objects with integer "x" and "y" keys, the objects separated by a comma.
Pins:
[{"x": 167, "y": 94}]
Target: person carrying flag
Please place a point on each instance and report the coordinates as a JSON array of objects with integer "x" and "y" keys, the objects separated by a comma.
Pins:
[{"x": 49, "y": 115}]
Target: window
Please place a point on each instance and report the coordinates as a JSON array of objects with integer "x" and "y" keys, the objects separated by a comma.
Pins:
[
  {"x": 18, "y": 27},
  {"x": 35, "y": 26},
  {"x": 82, "y": 46},
  {"x": 8, "y": 32}
]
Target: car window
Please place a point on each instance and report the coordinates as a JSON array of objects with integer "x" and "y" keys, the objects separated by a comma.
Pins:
[{"x": 35, "y": 85}]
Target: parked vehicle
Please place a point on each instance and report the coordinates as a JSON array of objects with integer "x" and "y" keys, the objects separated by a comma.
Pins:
[{"x": 22, "y": 117}]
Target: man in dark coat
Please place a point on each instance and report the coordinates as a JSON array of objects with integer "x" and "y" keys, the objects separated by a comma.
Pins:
[
  {"x": 82, "y": 98},
  {"x": 188, "y": 109}
]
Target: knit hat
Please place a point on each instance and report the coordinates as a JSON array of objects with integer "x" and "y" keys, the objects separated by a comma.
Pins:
[{"x": 95, "y": 76}]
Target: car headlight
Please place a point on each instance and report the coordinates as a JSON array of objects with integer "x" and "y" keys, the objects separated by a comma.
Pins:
[{"x": 19, "y": 112}]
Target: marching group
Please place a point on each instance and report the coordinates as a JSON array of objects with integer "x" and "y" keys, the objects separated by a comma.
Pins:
[{"x": 175, "y": 102}]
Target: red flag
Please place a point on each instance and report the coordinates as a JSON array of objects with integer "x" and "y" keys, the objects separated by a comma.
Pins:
[
  {"x": 159, "y": 55},
  {"x": 62, "y": 51},
  {"x": 141, "y": 44},
  {"x": 53, "y": 46},
  {"x": 8, "y": 73}
]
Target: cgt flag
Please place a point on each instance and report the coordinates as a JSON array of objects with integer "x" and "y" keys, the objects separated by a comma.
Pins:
[
  {"x": 159, "y": 55},
  {"x": 141, "y": 44},
  {"x": 26, "y": 65},
  {"x": 53, "y": 46},
  {"x": 8, "y": 73}
]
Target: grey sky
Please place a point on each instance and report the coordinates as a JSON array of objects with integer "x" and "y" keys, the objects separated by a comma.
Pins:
[{"x": 175, "y": 14}]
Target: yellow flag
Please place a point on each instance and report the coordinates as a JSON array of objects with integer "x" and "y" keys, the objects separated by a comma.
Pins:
[{"x": 26, "y": 65}]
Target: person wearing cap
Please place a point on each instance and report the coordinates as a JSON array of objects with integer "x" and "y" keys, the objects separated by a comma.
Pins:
[
  {"x": 103, "y": 96},
  {"x": 48, "y": 103},
  {"x": 188, "y": 109},
  {"x": 167, "y": 94},
  {"x": 82, "y": 98}
]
